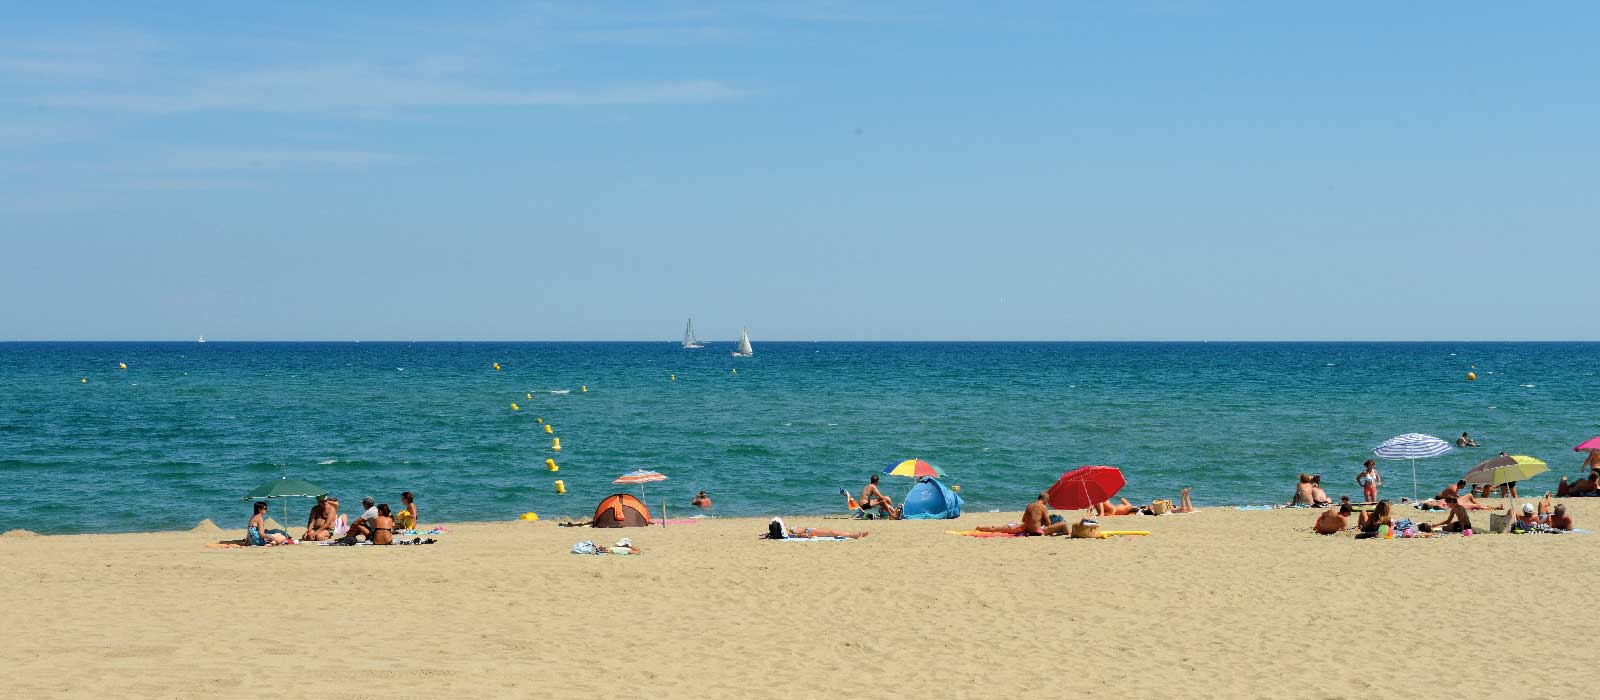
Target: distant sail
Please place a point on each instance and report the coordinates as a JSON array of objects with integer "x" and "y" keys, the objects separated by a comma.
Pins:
[
  {"x": 201, "y": 339},
  {"x": 690, "y": 342},
  {"x": 744, "y": 345}
]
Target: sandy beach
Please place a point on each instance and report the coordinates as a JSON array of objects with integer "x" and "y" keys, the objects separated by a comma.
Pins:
[{"x": 1221, "y": 603}]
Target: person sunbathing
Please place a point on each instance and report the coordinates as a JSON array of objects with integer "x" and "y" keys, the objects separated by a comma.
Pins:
[
  {"x": 382, "y": 526},
  {"x": 1034, "y": 519},
  {"x": 1581, "y": 487},
  {"x": 1333, "y": 520},
  {"x": 777, "y": 531},
  {"x": 1303, "y": 495},
  {"x": 1184, "y": 504},
  {"x": 1457, "y": 520},
  {"x": 1559, "y": 518},
  {"x": 872, "y": 497},
  {"x": 256, "y": 533},
  {"x": 1376, "y": 518},
  {"x": 1106, "y": 508}
]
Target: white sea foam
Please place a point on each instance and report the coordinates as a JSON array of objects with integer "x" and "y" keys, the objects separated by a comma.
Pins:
[
  {"x": 557, "y": 391},
  {"x": 1527, "y": 386},
  {"x": 329, "y": 461}
]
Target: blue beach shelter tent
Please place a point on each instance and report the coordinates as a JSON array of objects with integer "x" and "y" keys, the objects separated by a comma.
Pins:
[{"x": 931, "y": 500}]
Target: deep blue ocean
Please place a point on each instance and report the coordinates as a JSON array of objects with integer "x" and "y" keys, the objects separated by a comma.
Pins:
[{"x": 188, "y": 428}]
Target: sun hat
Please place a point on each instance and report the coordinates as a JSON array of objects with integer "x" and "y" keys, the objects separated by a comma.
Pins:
[{"x": 1527, "y": 507}]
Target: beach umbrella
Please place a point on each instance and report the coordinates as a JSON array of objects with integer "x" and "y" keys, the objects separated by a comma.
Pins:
[
  {"x": 642, "y": 477},
  {"x": 1412, "y": 446},
  {"x": 284, "y": 487},
  {"x": 1505, "y": 469},
  {"x": 1590, "y": 444},
  {"x": 1084, "y": 487},
  {"x": 913, "y": 468}
]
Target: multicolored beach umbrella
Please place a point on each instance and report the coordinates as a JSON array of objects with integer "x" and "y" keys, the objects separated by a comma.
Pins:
[
  {"x": 1412, "y": 446},
  {"x": 913, "y": 468},
  {"x": 1084, "y": 487},
  {"x": 642, "y": 477},
  {"x": 1505, "y": 469}
]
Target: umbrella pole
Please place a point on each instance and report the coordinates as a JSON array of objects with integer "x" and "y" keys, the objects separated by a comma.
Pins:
[{"x": 1413, "y": 480}]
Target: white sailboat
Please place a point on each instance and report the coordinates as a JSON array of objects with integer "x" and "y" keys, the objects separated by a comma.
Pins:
[
  {"x": 690, "y": 342},
  {"x": 201, "y": 339},
  {"x": 744, "y": 345}
]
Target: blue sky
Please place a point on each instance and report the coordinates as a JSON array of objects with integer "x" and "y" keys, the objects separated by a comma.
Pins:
[{"x": 811, "y": 170}]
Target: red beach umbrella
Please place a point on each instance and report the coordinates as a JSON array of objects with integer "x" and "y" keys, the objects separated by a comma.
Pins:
[{"x": 1084, "y": 487}]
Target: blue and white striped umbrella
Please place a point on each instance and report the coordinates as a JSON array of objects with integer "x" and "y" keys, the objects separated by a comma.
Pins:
[{"x": 1412, "y": 446}]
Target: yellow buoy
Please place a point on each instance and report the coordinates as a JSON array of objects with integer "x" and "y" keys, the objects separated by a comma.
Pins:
[
  {"x": 674, "y": 377},
  {"x": 956, "y": 488},
  {"x": 552, "y": 464},
  {"x": 122, "y": 365},
  {"x": 530, "y": 516},
  {"x": 583, "y": 389},
  {"x": 530, "y": 396},
  {"x": 85, "y": 380},
  {"x": 1472, "y": 376},
  {"x": 515, "y": 407},
  {"x": 541, "y": 420},
  {"x": 560, "y": 487},
  {"x": 555, "y": 444},
  {"x": 497, "y": 367},
  {"x": 547, "y": 429},
  {"x": 736, "y": 370}
]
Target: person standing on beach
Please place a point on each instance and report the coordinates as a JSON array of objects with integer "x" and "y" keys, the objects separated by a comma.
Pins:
[
  {"x": 1369, "y": 481},
  {"x": 871, "y": 498}
]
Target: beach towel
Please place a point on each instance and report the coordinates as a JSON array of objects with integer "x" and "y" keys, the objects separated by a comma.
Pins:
[
  {"x": 986, "y": 535},
  {"x": 814, "y": 539},
  {"x": 678, "y": 521},
  {"x": 434, "y": 531},
  {"x": 1255, "y": 507}
]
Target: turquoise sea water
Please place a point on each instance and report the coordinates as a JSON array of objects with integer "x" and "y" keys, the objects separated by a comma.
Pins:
[{"x": 188, "y": 428}]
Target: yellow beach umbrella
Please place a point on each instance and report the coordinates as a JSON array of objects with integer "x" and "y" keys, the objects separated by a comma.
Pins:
[{"x": 1505, "y": 469}]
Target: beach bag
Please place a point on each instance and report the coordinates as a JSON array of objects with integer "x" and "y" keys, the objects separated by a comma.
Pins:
[
  {"x": 1160, "y": 506},
  {"x": 585, "y": 547},
  {"x": 1086, "y": 529}
]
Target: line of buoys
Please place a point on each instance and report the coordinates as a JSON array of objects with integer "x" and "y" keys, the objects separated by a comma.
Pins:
[
  {"x": 552, "y": 465},
  {"x": 556, "y": 444},
  {"x": 560, "y": 487},
  {"x": 547, "y": 430},
  {"x": 515, "y": 407}
]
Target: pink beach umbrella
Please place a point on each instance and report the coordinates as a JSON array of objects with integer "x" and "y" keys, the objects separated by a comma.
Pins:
[{"x": 1590, "y": 444}]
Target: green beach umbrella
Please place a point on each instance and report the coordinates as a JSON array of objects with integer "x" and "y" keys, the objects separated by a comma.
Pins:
[
  {"x": 284, "y": 487},
  {"x": 1505, "y": 469}
]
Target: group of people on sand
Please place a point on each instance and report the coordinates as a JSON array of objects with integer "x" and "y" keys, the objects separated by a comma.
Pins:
[
  {"x": 1037, "y": 520},
  {"x": 376, "y": 524},
  {"x": 1459, "y": 507},
  {"x": 1587, "y": 486}
]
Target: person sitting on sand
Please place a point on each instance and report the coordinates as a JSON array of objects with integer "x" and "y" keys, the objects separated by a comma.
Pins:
[
  {"x": 1379, "y": 516},
  {"x": 318, "y": 527},
  {"x": 1303, "y": 495},
  {"x": 382, "y": 526},
  {"x": 406, "y": 519},
  {"x": 871, "y": 498},
  {"x": 701, "y": 501},
  {"x": 1369, "y": 481},
  {"x": 1465, "y": 441},
  {"x": 1319, "y": 498},
  {"x": 1034, "y": 519},
  {"x": 1524, "y": 519},
  {"x": 256, "y": 533},
  {"x": 777, "y": 531},
  {"x": 362, "y": 526},
  {"x": 1457, "y": 520},
  {"x": 1333, "y": 520},
  {"x": 1559, "y": 518}
]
